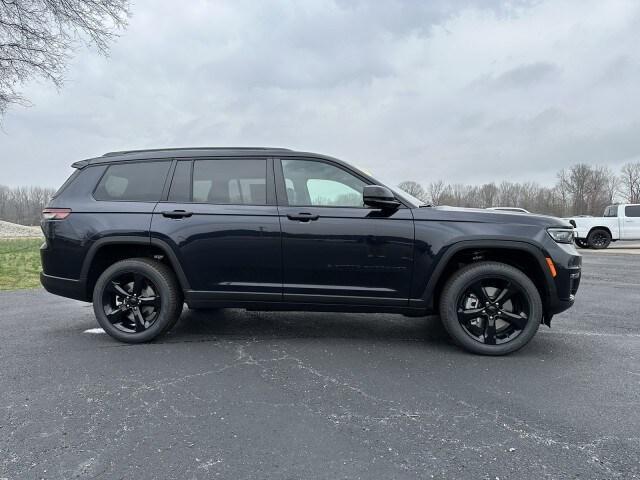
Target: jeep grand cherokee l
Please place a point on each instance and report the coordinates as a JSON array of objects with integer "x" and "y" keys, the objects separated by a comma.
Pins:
[{"x": 139, "y": 233}]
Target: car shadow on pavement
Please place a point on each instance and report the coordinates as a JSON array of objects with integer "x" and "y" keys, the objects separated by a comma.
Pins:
[{"x": 196, "y": 325}]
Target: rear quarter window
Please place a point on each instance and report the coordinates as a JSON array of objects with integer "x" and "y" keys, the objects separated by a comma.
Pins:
[
  {"x": 67, "y": 182},
  {"x": 136, "y": 182},
  {"x": 180, "y": 190}
]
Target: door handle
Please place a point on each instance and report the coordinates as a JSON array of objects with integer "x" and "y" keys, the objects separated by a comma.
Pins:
[
  {"x": 302, "y": 217},
  {"x": 177, "y": 214}
]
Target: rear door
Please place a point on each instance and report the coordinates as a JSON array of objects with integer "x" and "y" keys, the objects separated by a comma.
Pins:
[
  {"x": 630, "y": 222},
  {"x": 221, "y": 220},
  {"x": 335, "y": 249}
]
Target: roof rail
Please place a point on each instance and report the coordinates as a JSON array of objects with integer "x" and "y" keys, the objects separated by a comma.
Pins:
[{"x": 124, "y": 152}]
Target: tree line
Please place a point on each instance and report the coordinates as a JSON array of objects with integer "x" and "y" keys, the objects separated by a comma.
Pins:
[
  {"x": 579, "y": 190},
  {"x": 23, "y": 204}
]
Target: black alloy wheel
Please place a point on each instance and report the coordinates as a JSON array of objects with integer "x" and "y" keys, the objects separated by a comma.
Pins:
[
  {"x": 131, "y": 302},
  {"x": 599, "y": 239},
  {"x": 490, "y": 308},
  {"x": 137, "y": 299},
  {"x": 493, "y": 310}
]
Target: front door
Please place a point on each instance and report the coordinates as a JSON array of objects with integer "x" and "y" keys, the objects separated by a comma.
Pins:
[
  {"x": 335, "y": 249},
  {"x": 221, "y": 220}
]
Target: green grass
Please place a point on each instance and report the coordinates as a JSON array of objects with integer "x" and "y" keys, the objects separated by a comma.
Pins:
[{"x": 20, "y": 263}]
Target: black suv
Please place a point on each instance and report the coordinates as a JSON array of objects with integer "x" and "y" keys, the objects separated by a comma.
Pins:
[{"x": 139, "y": 233}]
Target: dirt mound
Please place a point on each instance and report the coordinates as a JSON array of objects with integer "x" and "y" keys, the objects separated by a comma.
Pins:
[{"x": 14, "y": 230}]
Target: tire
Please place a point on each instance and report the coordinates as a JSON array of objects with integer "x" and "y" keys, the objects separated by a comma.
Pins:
[
  {"x": 581, "y": 243},
  {"x": 599, "y": 238},
  {"x": 152, "y": 291},
  {"x": 510, "y": 330}
]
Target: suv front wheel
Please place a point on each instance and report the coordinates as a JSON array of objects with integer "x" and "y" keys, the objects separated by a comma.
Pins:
[
  {"x": 136, "y": 300},
  {"x": 490, "y": 308}
]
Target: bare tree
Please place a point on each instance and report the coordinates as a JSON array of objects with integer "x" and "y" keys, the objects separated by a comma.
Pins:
[
  {"x": 612, "y": 187},
  {"x": 37, "y": 38},
  {"x": 413, "y": 188},
  {"x": 436, "y": 192},
  {"x": 630, "y": 180},
  {"x": 488, "y": 195},
  {"x": 508, "y": 194}
]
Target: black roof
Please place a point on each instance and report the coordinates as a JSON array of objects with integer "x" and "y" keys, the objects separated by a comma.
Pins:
[{"x": 190, "y": 152}]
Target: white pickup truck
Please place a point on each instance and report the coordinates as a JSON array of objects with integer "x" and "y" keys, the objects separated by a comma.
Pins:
[{"x": 620, "y": 222}]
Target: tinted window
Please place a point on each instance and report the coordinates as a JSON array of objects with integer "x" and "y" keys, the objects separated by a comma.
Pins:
[
  {"x": 321, "y": 184},
  {"x": 237, "y": 181},
  {"x": 632, "y": 211},
  {"x": 139, "y": 182},
  {"x": 71, "y": 178},
  {"x": 611, "y": 211},
  {"x": 180, "y": 190}
]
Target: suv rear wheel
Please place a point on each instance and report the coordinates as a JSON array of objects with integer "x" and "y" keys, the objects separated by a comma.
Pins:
[
  {"x": 136, "y": 300},
  {"x": 599, "y": 238},
  {"x": 490, "y": 308}
]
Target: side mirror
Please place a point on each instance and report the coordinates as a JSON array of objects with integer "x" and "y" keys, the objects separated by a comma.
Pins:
[{"x": 377, "y": 196}]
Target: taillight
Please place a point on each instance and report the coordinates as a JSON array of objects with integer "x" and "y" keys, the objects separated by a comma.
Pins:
[{"x": 56, "y": 213}]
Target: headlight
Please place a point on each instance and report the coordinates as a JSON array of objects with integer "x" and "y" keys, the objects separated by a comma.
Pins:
[{"x": 561, "y": 235}]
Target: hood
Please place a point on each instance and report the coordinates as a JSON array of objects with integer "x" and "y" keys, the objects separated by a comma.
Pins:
[{"x": 481, "y": 215}]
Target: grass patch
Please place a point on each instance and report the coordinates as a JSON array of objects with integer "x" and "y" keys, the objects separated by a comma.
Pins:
[{"x": 20, "y": 263}]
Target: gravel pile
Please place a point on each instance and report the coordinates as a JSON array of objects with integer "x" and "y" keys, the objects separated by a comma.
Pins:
[{"x": 13, "y": 230}]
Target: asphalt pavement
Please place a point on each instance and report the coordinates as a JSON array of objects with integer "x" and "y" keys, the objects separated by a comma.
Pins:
[{"x": 244, "y": 395}]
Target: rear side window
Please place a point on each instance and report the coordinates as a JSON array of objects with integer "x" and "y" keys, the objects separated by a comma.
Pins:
[
  {"x": 238, "y": 181},
  {"x": 611, "y": 211},
  {"x": 135, "y": 182},
  {"x": 632, "y": 211}
]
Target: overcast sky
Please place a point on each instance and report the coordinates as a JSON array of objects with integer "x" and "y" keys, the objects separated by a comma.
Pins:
[{"x": 462, "y": 91}]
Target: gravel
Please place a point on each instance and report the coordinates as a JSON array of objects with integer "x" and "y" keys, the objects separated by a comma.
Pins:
[{"x": 14, "y": 230}]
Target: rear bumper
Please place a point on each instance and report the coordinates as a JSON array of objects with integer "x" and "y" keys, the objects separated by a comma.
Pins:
[{"x": 65, "y": 287}]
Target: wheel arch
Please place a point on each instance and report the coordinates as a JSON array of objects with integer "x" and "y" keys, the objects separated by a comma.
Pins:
[
  {"x": 600, "y": 227},
  {"x": 527, "y": 257},
  {"x": 106, "y": 251}
]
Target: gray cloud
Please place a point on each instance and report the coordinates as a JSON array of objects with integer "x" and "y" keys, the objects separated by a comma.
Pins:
[
  {"x": 525, "y": 75},
  {"x": 463, "y": 91}
]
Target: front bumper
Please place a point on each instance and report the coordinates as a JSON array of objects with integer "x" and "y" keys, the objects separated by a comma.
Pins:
[{"x": 568, "y": 263}]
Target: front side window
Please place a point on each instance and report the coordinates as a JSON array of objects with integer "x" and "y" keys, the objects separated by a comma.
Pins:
[
  {"x": 632, "y": 211},
  {"x": 236, "y": 182},
  {"x": 134, "y": 182},
  {"x": 319, "y": 184}
]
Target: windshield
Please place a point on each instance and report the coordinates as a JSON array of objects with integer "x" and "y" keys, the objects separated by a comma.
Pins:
[{"x": 407, "y": 196}]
